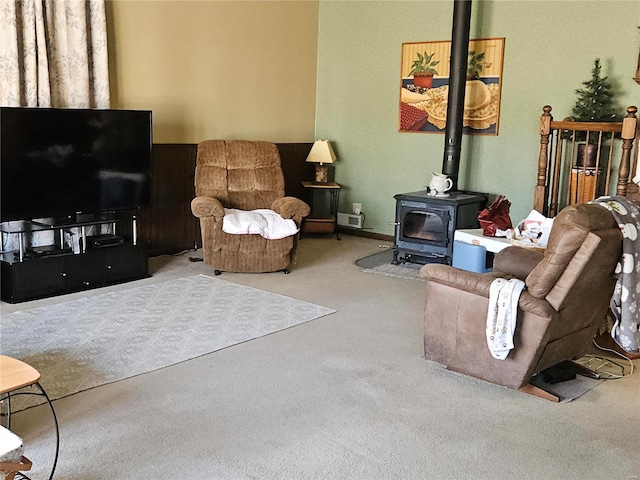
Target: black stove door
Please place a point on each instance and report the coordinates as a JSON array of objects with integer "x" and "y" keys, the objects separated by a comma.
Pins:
[{"x": 424, "y": 228}]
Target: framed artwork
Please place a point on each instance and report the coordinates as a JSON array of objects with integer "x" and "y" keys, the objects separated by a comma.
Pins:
[{"x": 424, "y": 86}]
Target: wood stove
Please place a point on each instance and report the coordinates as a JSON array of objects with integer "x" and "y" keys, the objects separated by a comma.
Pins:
[{"x": 425, "y": 224}]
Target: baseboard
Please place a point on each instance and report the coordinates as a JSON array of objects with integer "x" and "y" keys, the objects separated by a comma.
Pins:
[{"x": 356, "y": 232}]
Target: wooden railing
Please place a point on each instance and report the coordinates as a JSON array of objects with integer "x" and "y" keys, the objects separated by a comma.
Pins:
[{"x": 565, "y": 174}]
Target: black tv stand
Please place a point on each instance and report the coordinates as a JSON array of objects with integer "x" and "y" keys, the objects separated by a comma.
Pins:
[
  {"x": 80, "y": 219},
  {"x": 29, "y": 273}
]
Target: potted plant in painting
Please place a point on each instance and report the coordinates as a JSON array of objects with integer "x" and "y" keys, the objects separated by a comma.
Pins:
[
  {"x": 475, "y": 64},
  {"x": 423, "y": 71},
  {"x": 594, "y": 103},
  {"x": 476, "y": 94}
]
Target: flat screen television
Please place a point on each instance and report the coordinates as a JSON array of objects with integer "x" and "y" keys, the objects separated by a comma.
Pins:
[{"x": 60, "y": 162}]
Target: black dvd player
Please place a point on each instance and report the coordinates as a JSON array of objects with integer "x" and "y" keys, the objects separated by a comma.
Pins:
[
  {"x": 103, "y": 240},
  {"x": 45, "y": 250}
]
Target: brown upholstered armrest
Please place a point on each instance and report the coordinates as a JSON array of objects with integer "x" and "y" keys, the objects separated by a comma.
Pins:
[
  {"x": 291, "y": 207},
  {"x": 480, "y": 284},
  {"x": 207, "y": 207},
  {"x": 537, "y": 306},
  {"x": 517, "y": 261},
  {"x": 472, "y": 282}
]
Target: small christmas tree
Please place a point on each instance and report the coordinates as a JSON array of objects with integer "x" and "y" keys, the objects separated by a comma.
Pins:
[
  {"x": 594, "y": 104},
  {"x": 595, "y": 101}
]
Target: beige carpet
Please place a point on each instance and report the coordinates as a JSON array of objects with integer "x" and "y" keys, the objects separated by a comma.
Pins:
[
  {"x": 348, "y": 396},
  {"x": 381, "y": 264}
]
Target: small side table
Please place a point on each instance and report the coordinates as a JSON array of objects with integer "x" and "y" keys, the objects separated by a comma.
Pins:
[
  {"x": 318, "y": 223},
  {"x": 15, "y": 375}
]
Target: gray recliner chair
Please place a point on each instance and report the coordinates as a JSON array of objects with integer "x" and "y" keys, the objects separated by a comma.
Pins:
[{"x": 568, "y": 288}]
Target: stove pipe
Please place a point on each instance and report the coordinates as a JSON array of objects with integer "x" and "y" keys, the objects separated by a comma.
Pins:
[{"x": 457, "y": 82}]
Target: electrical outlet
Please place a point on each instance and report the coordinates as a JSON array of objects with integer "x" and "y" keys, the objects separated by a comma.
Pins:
[{"x": 357, "y": 208}]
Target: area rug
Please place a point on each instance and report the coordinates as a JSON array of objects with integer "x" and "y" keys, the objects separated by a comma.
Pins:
[
  {"x": 380, "y": 264},
  {"x": 96, "y": 340}
]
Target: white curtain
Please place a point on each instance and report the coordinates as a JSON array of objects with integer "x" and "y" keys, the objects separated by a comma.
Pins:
[{"x": 53, "y": 53}]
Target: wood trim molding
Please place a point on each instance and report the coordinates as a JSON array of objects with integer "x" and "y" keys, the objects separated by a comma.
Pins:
[{"x": 356, "y": 232}]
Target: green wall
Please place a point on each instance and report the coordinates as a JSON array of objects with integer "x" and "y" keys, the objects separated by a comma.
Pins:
[{"x": 549, "y": 51}]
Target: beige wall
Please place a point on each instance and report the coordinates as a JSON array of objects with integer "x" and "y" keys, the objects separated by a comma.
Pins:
[{"x": 210, "y": 69}]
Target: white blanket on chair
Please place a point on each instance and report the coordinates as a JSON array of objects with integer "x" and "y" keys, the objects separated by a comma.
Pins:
[
  {"x": 264, "y": 222},
  {"x": 502, "y": 314}
]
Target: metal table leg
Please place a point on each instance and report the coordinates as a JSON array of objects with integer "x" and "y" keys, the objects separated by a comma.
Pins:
[
  {"x": 334, "y": 201},
  {"x": 42, "y": 393}
]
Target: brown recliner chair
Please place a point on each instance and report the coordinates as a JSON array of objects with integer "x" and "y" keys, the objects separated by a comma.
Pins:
[
  {"x": 244, "y": 175},
  {"x": 568, "y": 288}
]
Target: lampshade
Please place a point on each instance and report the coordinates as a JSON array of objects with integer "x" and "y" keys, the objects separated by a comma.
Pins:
[{"x": 321, "y": 152}]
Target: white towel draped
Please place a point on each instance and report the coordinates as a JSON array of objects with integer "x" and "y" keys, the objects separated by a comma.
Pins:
[
  {"x": 502, "y": 314},
  {"x": 264, "y": 222}
]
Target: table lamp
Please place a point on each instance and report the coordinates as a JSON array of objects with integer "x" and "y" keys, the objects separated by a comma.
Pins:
[{"x": 322, "y": 154}]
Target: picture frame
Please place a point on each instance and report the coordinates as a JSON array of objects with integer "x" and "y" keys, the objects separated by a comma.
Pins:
[{"x": 424, "y": 86}]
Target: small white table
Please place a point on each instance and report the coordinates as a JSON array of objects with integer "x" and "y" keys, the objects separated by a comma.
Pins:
[{"x": 474, "y": 237}]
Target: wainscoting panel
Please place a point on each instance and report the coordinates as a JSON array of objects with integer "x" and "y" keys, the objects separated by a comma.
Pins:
[
  {"x": 296, "y": 169},
  {"x": 169, "y": 226}
]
